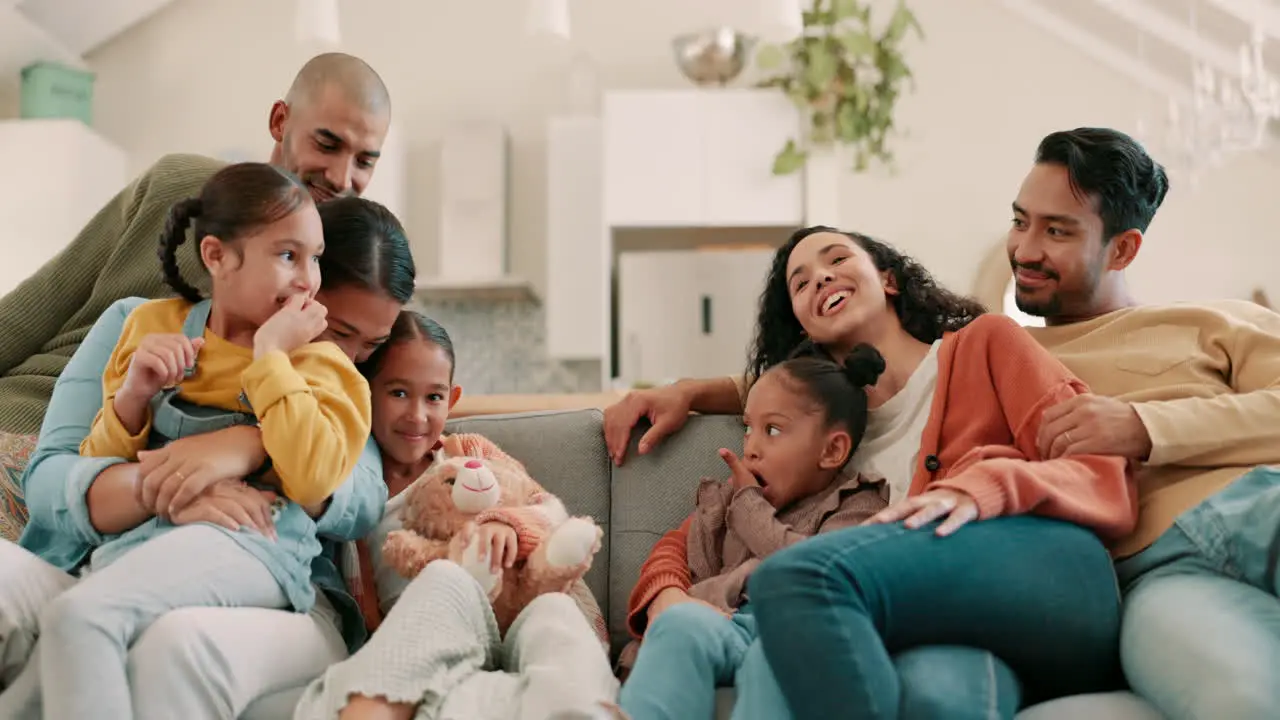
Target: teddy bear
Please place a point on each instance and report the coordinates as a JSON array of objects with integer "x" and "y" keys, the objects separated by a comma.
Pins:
[{"x": 444, "y": 507}]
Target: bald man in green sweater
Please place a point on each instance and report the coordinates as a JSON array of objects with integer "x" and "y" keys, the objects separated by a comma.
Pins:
[{"x": 328, "y": 129}]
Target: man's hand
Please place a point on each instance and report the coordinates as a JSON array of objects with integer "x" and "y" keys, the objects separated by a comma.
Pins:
[
  {"x": 1093, "y": 425},
  {"x": 667, "y": 408},
  {"x": 234, "y": 506},
  {"x": 176, "y": 474},
  {"x": 674, "y": 596},
  {"x": 958, "y": 508}
]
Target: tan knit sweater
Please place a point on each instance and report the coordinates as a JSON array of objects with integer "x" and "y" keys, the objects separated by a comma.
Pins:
[
  {"x": 1205, "y": 379},
  {"x": 44, "y": 320}
]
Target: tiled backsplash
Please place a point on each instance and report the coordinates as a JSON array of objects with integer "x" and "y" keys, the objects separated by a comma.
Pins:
[{"x": 501, "y": 348}]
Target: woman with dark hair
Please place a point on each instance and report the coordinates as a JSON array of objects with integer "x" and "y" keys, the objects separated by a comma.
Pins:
[
  {"x": 976, "y": 516},
  {"x": 204, "y": 661}
]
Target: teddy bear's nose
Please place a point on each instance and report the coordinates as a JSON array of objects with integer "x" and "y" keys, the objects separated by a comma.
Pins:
[{"x": 474, "y": 465}]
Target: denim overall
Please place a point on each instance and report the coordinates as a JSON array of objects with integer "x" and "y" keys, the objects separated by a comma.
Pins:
[{"x": 172, "y": 418}]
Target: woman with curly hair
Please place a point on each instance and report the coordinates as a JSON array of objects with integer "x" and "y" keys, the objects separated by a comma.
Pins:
[{"x": 983, "y": 546}]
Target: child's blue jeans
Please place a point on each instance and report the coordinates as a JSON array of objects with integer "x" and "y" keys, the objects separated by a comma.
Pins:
[{"x": 689, "y": 651}]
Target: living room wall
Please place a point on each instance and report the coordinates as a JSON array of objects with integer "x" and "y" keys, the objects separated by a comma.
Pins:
[{"x": 200, "y": 76}]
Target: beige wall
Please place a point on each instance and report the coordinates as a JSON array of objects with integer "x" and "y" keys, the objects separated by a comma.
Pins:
[{"x": 989, "y": 86}]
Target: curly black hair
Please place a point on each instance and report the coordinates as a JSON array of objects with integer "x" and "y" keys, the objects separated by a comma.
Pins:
[{"x": 926, "y": 309}]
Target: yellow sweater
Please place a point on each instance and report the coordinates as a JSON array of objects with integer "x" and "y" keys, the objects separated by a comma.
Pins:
[
  {"x": 312, "y": 405},
  {"x": 1205, "y": 379}
]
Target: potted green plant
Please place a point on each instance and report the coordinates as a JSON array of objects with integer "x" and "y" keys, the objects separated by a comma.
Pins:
[{"x": 846, "y": 76}]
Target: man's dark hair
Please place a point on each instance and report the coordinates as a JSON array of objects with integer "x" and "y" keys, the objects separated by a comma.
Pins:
[{"x": 1111, "y": 169}]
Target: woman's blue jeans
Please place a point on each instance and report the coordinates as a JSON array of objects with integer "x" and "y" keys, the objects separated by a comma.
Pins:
[{"x": 1039, "y": 594}]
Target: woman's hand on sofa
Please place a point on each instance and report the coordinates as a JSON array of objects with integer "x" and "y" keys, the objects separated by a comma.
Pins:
[
  {"x": 173, "y": 476},
  {"x": 666, "y": 408},
  {"x": 233, "y": 505}
]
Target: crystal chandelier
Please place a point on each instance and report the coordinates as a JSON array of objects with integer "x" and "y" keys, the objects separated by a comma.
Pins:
[{"x": 1225, "y": 116}]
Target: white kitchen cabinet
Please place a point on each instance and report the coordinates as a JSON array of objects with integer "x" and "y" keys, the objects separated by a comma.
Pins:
[
  {"x": 473, "y": 202},
  {"x": 653, "y": 162},
  {"x": 578, "y": 259},
  {"x": 69, "y": 173},
  {"x": 697, "y": 158},
  {"x": 687, "y": 313}
]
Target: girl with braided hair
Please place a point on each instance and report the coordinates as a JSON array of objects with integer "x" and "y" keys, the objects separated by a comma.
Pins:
[{"x": 243, "y": 358}]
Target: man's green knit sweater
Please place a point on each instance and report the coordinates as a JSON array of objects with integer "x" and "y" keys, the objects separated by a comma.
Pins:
[{"x": 44, "y": 319}]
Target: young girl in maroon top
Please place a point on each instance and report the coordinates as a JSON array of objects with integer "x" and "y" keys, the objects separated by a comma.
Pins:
[{"x": 804, "y": 418}]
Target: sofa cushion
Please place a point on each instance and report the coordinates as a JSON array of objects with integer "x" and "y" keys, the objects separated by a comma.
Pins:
[
  {"x": 565, "y": 452},
  {"x": 654, "y": 493},
  {"x": 15, "y": 453}
]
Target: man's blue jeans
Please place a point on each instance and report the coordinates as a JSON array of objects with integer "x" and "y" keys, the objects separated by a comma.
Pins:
[
  {"x": 691, "y": 650},
  {"x": 1201, "y": 631},
  {"x": 1039, "y": 594}
]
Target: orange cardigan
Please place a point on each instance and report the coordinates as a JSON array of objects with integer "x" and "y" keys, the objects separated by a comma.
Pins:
[{"x": 994, "y": 383}]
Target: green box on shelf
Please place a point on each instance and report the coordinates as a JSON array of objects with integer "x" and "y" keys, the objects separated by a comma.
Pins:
[{"x": 52, "y": 90}]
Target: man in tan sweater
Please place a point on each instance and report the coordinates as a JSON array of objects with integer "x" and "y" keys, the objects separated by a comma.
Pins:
[{"x": 1191, "y": 392}]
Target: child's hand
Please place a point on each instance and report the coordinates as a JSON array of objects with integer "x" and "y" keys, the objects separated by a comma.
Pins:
[
  {"x": 300, "y": 321},
  {"x": 738, "y": 473},
  {"x": 160, "y": 361},
  {"x": 501, "y": 541},
  {"x": 459, "y": 542},
  {"x": 674, "y": 596}
]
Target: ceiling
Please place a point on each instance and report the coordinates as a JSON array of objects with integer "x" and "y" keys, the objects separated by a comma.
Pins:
[
  {"x": 1155, "y": 42},
  {"x": 1160, "y": 36},
  {"x": 62, "y": 30},
  {"x": 81, "y": 26}
]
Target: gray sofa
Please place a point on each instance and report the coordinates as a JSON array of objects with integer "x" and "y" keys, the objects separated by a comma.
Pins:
[{"x": 649, "y": 495}]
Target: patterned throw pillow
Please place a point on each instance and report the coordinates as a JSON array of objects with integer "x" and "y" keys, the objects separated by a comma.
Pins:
[{"x": 15, "y": 451}]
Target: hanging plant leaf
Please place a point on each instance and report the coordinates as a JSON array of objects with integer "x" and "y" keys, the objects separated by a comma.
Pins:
[
  {"x": 789, "y": 159},
  {"x": 846, "y": 76},
  {"x": 902, "y": 20},
  {"x": 858, "y": 43},
  {"x": 770, "y": 57},
  {"x": 844, "y": 9}
]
